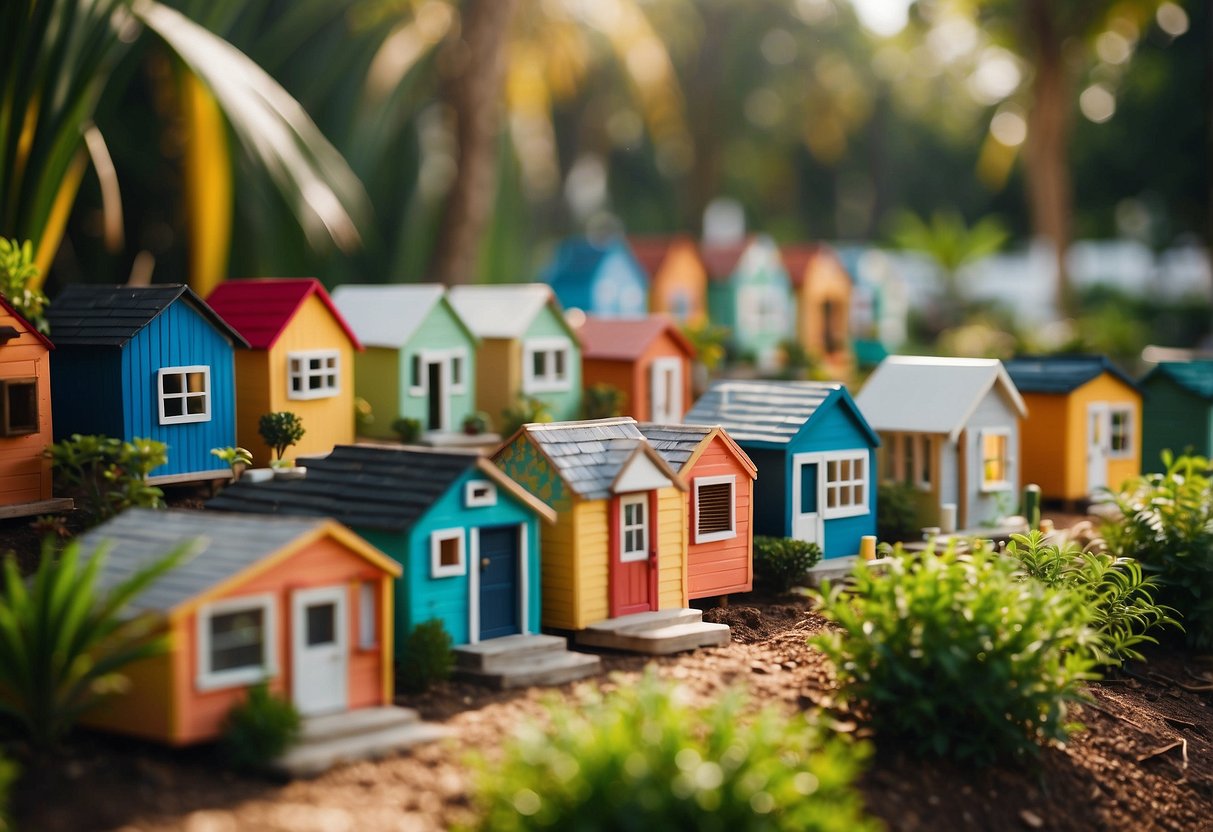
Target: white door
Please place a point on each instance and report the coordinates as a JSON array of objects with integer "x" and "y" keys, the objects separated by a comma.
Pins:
[
  {"x": 1098, "y": 446},
  {"x": 807, "y": 488},
  {"x": 665, "y": 390},
  {"x": 320, "y": 649}
]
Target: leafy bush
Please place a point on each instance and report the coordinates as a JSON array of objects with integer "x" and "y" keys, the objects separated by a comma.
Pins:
[
  {"x": 1119, "y": 594},
  {"x": 259, "y": 730},
  {"x": 426, "y": 657},
  {"x": 409, "y": 430},
  {"x": 523, "y": 411},
  {"x": 280, "y": 430},
  {"x": 1166, "y": 523},
  {"x": 896, "y": 512},
  {"x": 958, "y": 655},
  {"x": 642, "y": 758},
  {"x": 779, "y": 562},
  {"x": 63, "y": 639},
  {"x": 476, "y": 423},
  {"x": 602, "y": 401},
  {"x": 105, "y": 475},
  {"x": 17, "y": 269}
]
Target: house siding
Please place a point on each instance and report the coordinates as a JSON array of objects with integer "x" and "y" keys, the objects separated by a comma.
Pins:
[
  {"x": 671, "y": 548},
  {"x": 981, "y": 507},
  {"x": 1175, "y": 420},
  {"x": 25, "y": 473},
  {"x": 723, "y": 566},
  {"x": 564, "y": 404},
  {"x": 377, "y": 379},
  {"x": 679, "y": 287},
  {"x": 86, "y": 392},
  {"x": 440, "y": 331}
]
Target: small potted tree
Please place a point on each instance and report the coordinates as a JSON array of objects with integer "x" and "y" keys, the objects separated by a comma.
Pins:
[
  {"x": 238, "y": 458},
  {"x": 280, "y": 431}
]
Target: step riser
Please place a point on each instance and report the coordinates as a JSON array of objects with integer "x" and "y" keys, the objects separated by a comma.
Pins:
[
  {"x": 503, "y": 661},
  {"x": 312, "y": 759},
  {"x": 357, "y": 723},
  {"x": 655, "y": 645},
  {"x": 557, "y": 675},
  {"x": 647, "y": 621}
]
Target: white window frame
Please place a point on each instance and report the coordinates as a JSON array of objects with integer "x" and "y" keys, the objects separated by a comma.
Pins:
[
  {"x": 368, "y": 615},
  {"x": 208, "y": 679},
  {"x": 762, "y": 308},
  {"x": 461, "y": 356},
  {"x": 990, "y": 486},
  {"x": 1129, "y": 429},
  {"x": 855, "y": 509},
  {"x": 644, "y": 526},
  {"x": 698, "y": 483},
  {"x": 447, "y": 359},
  {"x": 417, "y": 359},
  {"x": 437, "y": 570},
  {"x": 306, "y": 373},
  {"x": 473, "y": 500},
  {"x": 183, "y": 371},
  {"x": 548, "y": 382}
]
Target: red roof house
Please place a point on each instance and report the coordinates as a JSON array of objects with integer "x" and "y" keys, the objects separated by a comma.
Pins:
[{"x": 649, "y": 359}]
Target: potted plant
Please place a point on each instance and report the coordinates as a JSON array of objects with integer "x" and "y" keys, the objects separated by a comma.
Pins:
[
  {"x": 476, "y": 423},
  {"x": 280, "y": 431},
  {"x": 239, "y": 459}
]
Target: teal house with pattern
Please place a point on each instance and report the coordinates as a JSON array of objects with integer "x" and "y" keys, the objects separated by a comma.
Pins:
[
  {"x": 1176, "y": 411},
  {"x": 749, "y": 292},
  {"x": 419, "y": 360}
]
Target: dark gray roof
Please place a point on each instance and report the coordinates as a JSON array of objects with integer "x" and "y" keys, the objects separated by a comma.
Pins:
[
  {"x": 768, "y": 412},
  {"x": 109, "y": 316},
  {"x": 363, "y": 486},
  {"x": 230, "y": 543},
  {"x": 1060, "y": 373},
  {"x": 589, "y": 454},
  {"x": 675, "y": 443}
]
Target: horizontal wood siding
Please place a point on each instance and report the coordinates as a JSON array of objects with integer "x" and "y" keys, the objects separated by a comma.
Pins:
[
  {"x": 558, "y": 569},
  {"x": 592, "y": 578},
  {"x": 671, "y": 549},
  {"x": 252, "y": 400},
  {"x": 25, "y": 474},
  {"x": 723, "y": 566}
]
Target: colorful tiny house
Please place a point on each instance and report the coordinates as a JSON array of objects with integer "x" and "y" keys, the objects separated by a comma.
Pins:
[
  {"x": 814, "y": 452},
  {"x": 146, "y": 361},
  {"x": 466, "y": 535},
  {"x": 823, "y": 306},
  {"x": 719, "y": 505},
  {"x": 1177, "y": 411},
  {"x": 600, "y": 279},
  {"x": 750, "y": 293},
  {"x": 678, "y": 280},
  {"x": 949, "y": 427},
  {"x": 419, "y": 360},
  {"x": 302, "y": 604},
  {"x": 648, "y": 359},
  {"x": 619, "y": 541},
  {"x": 1083, "y": 431},
  {"x": 527, "y": 348},
  {"x": 301, "y": 359}
]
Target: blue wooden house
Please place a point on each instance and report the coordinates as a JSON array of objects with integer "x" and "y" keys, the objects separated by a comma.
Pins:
[
  {"x": 146, "y": 361},
  {"x": 466, "y": 534},
  {"x": 815, "y": 454},
  {"x": 601, "y": 279}
]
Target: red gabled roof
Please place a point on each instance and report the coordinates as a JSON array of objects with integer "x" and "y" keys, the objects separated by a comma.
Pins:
[
  {"x": 796, "y": 259},
  {"x": 12, "y": 310},
  {"x": 626, "y": 339},
  {"x": 261, "y": 308}
]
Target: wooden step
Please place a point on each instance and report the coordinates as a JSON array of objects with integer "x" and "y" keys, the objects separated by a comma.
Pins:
[
  {"x": 498, "y": 654},
  {"x": 312, "y": 758},
  {"x": 647, "y": 620},
  {"x": 670, "y": 631},
  {"x": 548, "y": 668},
  {"x": 352, "y": 723}
]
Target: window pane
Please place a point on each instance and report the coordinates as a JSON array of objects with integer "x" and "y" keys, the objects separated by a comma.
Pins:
[
  {"x": 539, "y": 364},
  {"x": 559, "y": 357},
  {"x": 315, "y": 382},
  {"x": 832, "y": 496},
  {"x": 448, "y": 552},
  {"x": 844, "y": 468},
  {"x": 196, "y": 405},
  {"x": 415, "y": 370},
  {"x": 174, "y": 407},
  {"x": 21, "y": 407},
  {"x": 832, "y": 471},
  {"x": 368, "y": 635},
  {"x": 296, "y": 384},
  {"x": 315, "y": 365},
  {"x": 321, "y": 624},
  {"x": 295, "y": 365},
  {"x": 238, "y": 639},
  {"x": 197, "y": 382},
  {"x": 171, "y": 383},
  {"x": 456, "y": 370}
]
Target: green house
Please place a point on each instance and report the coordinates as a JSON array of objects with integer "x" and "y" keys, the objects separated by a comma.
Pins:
[
  {"x": 749, "y": 292},
  {"x": 420, "y": 358},
  {"x": 1177, "y": 411}
]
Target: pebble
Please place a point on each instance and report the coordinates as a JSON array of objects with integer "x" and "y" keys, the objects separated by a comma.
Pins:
[{"x": 1031, "y": 819}]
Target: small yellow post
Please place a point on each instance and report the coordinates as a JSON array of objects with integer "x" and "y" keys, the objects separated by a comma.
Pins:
[{"x": 867, "y": 547}]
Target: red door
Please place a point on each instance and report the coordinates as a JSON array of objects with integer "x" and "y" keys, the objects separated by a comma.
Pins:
[{"x": 633, "y": 577}]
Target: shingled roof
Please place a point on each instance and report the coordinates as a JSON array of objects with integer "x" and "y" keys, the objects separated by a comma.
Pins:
[
  {"x": 110, "y": 316},
  {"x": 679, "y": 445},
  {"x": 770, "y": 412},
  {"x": 368, "y": 486},
  {"x": 261, "y": 308},
  {"x": 1060, "y": 373},
  {"x": 1194, "y": 376}
]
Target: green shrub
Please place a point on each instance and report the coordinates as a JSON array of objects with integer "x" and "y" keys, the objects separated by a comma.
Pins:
[
  {"x": 107, "y": 476},
  {"x": 602, "y": 401},
  {"x": 1117, "y": 590},
  {"x": 476, "y": 423},
  {"x": 897, "y": 517},
  {"x": 425, "y": 657},
  {"x": 280, "y": 430},
  {"x": 409, "y": 430},
  {"x": 958, "y": 655},
  {"x": 259, "y": 730},
  {"x": 17, "y": 270},
  {"x": 779, "y": 562},
  {"x": 1166, "y": 523},
  {"x": 523, "y": 411},
  {"x": 640, "y": 757}
]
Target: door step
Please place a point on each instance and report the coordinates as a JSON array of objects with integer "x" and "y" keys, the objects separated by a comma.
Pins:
[
  {"x": 655, "y": 633},
  {"x": 521, "y": 661},
  {"x": 363, "y": 734}
]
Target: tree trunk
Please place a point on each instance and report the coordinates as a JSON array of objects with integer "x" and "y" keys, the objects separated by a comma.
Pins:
[{"x": 474, "y": 91}]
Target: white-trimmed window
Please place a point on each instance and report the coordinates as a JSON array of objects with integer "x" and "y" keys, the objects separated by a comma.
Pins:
[
  {"x": 314, "y": 374},
  {"x": 452, "y": 367},
  {"x": 546, "y": 365},
  {"x": 715, "y": 508},
  {"x": 995, "y": 447},
  {"x": 237, "y": 642},
  {"x": 368, "y": 615},
  {"x": 1120, "y": 438},
  {"x": 478, "y": 493},
  {"x": 416, "y": 381},
  {"x": 448, "y": 553},
  {"x": 185, "y": 394},
  {"x": 912, "y": 459},
  {"x": 846, "y": 484},
  {"x": 634, "y": 527},
  {"x": 459, "y": 371}
]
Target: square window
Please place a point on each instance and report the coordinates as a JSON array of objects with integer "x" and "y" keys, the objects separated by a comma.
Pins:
[
  {"x": 1121, "y": 439},
  {"x": 237, "y": 639},
  {"x": 846, "y": 485},
  {"x": 185, "y": 394},
  {"x": 994, "y": 462},
  {"x": 321, "y": 623},
  {"x": 447, "y": 553},
  {"x": 313, "y": 375},
  {"x": 548, "y": 364},
  {"x": 20, "y": 404}
]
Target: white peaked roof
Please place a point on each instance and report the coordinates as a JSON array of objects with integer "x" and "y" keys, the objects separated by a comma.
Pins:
[
  {"x": 921, "y": 394},
  {"x": 386, "y": 316},
  {"x": 500, "y": 310}
]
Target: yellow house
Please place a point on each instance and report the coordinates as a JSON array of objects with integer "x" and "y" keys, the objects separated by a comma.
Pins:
[
  {"x": 301, "y": 359},
  {"x": 823, "y": 306},
  {"x": 678, "y": 279},
  {"x": 1083, "y": 431}
]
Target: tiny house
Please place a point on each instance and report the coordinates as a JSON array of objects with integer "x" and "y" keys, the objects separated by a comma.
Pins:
[
  {"x": 301, "y": 359},
  {"x": 678, "y": 280},
  {"x": 301, "y": 604},
  {"x": 750, "y": 293},
  {"x": 647, "y": 359},
  {"x": 1177, "y": 411},
  {"x": 1083, "y": 430},
  {"x": 154, "y": 362},
  {"x": 823, "y": 306},
  {"x": 600, "y": 279}
]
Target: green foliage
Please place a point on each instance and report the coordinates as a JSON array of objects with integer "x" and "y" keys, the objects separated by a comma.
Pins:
[
  {"x": 1166, "y": 523},
  {"x": 709, "y": 341},
  {"x": 602, "y": 401},
  {"x": 17, "y": 269},
  {"x": 259, "y": 730},
  {"x": 641, "y": 757},
  {"x": 105, "y": 475},
  {"x": 779, "y": 562},
  {"x": 896, "y": 512},
  {"x": 476, "y": 423},
  {"x": 63, "y": 639},
  {"x": 280, "y": 430},
  {"x": 958, "y": 655},
  {"x": 409, "y": 430},
  {"x": 364, "y": 413},
  {"x": 426, "y": 657},
  {"x": 948, "y": 240},
  {"x": 9, "y": 772},
  {"x": 523, "y": 411},
  {"x": 236, "y": 458}
]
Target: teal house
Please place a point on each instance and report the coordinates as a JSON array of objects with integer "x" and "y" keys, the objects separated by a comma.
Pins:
[
  {"x": 1176, "y": 411},
  {"x": 600, "y": 279},
  {"x": 466, "y": 535},
  {"x": 749, "y": 292},
  {"x": 419, "y": 360}
]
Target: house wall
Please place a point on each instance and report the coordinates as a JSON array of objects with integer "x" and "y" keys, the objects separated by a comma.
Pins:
[
  {"x": 823, "y": 304},
  {"x": 86, "y": 392},
  {"x": 679, "y": 287},
  {"x": 722, "y": 305},
  {"x": 664, "y": 346},
  {"x": 761, "y": 275},
  {"x": 377, "y": 379},
  {"x": 498, "y": 376},
  {"x": 25, "y": 474},
  {"x": 619, "y": 288},
  {"x": 441, "y": 330},
  {"x": 723, "y": 566},
  {"x": 672, "y": 591},
  {"x": 622, "y": 375},
  {"x": 562, "y": 404},
  {"x": 926, "y": 501},
  {"x": 1049, "y": 434},
  {"x": 1175, "y": 420},
  {"x": 253, "y": 398},
  {"x": 772, "y": 491},
  {"x": 591, "y": 563},
  {"x": 980, "y": 507}
]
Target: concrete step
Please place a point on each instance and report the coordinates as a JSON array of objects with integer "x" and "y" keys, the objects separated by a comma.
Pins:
[
  {"x": 498, "y": 654},
  {"x": 550, "y": 668},
  {"x": 312, "y": 758},
  {"x": 352, "y": 723},
  {"x": 647, "y": 620},
  {"x": 655, "y": 634}
]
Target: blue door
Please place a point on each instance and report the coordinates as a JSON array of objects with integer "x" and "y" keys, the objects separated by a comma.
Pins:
[{"x": 499, "y": 567}]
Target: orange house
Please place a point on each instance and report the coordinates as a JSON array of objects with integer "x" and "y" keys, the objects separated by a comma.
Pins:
[
  {"x": 678, "y": 280},
  {"x": 302, "y": 604},
  {"x": 823, "y": 306},
  {"x": 648, "y": 359},
  {"x": 719, "y": 505}
]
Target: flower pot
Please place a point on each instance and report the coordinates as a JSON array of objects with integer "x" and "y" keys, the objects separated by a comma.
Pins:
[
  {"x": 296, "y": 472},
  {"x": 258, "y": 475}
]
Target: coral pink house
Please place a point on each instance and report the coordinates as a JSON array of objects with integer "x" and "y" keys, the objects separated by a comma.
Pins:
[{"x": 649, "y": 359}]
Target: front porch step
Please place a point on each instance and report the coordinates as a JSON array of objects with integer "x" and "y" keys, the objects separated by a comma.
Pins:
[
  {"x": 520, "y": 661},
  {"x": 497, "y": 654},
  {"x": 364, "y": 734},
  {"x": 655, "y": 633}
]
